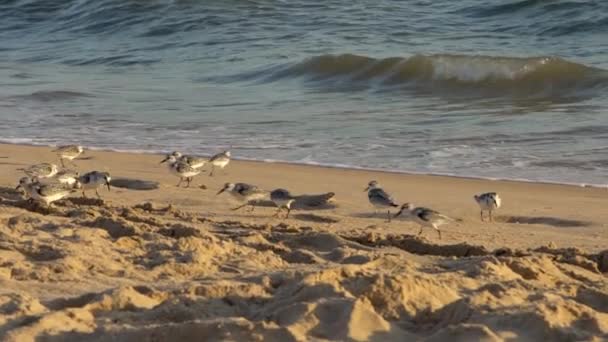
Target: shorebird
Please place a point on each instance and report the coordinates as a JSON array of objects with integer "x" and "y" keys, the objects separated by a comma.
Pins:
[
  {"x": 282, "y": 199},
  {"x": 425, "y": 217},
  {"x": 181, "y": 169},
  {"x": 92, "y": 180},
  {"x": 65, "y": 176},
  {"x": 46, "y": 193},
  {"x": 26, "y": 189},
  {"x": 315, "y": 201},
  {"x": 194, "y": 161},
  {"x": 243, "y": 192},
  {"x": 489, "y": 201},
  {"x": 38, "y": 171},
  {"x": 380, "y": 198},
  {"x": 69, "y": 152},
  {"x": 220, "y": 160}
]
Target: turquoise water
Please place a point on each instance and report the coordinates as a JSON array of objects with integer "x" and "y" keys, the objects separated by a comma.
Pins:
[{"x": 516, "y": 90}]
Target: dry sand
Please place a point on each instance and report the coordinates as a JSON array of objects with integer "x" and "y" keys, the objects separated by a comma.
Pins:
[{"x": 175, "y": 264}]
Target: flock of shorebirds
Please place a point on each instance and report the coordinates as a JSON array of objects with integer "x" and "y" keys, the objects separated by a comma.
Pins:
[{"x": 46, "y": 183}]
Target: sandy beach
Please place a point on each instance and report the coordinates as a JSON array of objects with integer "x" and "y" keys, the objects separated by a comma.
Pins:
[{"x": 174, "y": 263}]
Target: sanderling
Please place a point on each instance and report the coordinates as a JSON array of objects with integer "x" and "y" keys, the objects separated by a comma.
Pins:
[
  {"x": 46, "y": 193},
  {"x": 425, "y": 217},
  {"x": 243, "y": 192},
  {"x": 315, "y": 201},
  {"x": 181, "y": 169},
  {"x": 27, "y": 190},
  {"x": 194, "y": 161},
  {"x": 282, "y": 199},
  {"x": 65, "y": 176},
  {"x": 219, "y": 160},
  {"x": 380, "y": 198},
  {"x": 92, "y": 180},
  {"x": 69, "y": 152},
  {"x": 44, "y": 170},
  {"x": 489, "y": 201}
]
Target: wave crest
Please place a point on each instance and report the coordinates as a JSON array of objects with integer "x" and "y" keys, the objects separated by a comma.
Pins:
[{"x": 485, "y": 74}]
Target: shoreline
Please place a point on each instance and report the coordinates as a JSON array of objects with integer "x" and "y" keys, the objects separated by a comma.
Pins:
[
  {"x": 548, "y": 209},
  {"x": 340, "y": 167}
]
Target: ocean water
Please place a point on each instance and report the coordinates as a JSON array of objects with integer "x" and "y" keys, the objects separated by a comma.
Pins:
[{"x": 499, "y": 89}]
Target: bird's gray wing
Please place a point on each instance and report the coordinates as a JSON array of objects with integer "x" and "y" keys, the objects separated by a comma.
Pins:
[
  {"x": 184, "y": 167},
  {"x": 217, "y": 156},
  {"x": 382, "y": 195},
  {"x": 245, "y": 189},
  {"x": 51, "y": 188},
  {"x": 315, "y": 200},
  {"x": 428, "y": 215}
]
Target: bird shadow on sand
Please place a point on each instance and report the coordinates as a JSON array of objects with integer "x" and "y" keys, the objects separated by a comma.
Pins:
[
  {"x": 314, "y": 218},
  {"x": 546, "y": 220},
  {"x": 299, "y": 205},
  {"x": 379, "y": 215},
  {"x": 134, "y": 184},
  {"x": 88, "y": 201},
  {"x": 85, "y": 158},
  {"x": 14, "y": 164}
]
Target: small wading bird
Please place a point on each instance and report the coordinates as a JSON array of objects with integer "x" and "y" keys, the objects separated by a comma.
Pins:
[
  {"x": 92, "y": 180},
  {"x": 181, "y": 170},
  {"x": 282, "y": 199},
  {"x": 380, "y": 199},
  {"x": 39, "y": 171},
  {"x": 243, "y": 192},
  {"x": 68, "y": 152},
  {"x": 68, "y": 177},
  {"x": 425, "y": 217},
  {"x": 220, "y": 160},
  {"x": 489, "y": 201},
  {"x": 194, "y": 161},
  {"x": 46, "y": 193}
]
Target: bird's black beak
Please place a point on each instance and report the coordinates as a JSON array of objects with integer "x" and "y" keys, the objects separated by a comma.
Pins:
[
  {"x": 366, "y": 189},
  {"x": 398, "y": 213},
  {"x": 164, "y": 160},
  {"x": 219, "y": 192},
  {"x": 18, "y": 187},
  {"x": 108, "y": 185}
]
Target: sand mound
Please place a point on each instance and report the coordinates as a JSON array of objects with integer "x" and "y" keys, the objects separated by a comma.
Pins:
[{"x": 97, "y": 272}]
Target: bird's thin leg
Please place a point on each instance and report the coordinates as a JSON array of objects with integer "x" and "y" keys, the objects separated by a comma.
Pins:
[
  {"x": 180, "y": 182},
  {"x": 288, "y": 211},
  {"x": 481, "y": 215},
  {"x": 276, "y": 213},
  {"x": 252, "y": 207},
  {"x": 62, "y": 164},
  {"x": 491, "y": 219},
  {"x": 97, "y": 193},
  {"x": 240, "y": 206},
  {"x": 420, "y": 232},
  {"x": 388, "y": 216},
  {"x": 438, "y": 231},
  {"x": 83, "y": 194},
  {"x": 212, "y": 169},
  {"x": 189, "y": 179}
]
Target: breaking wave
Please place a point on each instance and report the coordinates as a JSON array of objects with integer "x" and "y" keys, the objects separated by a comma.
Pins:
[{"x": 486, "y": 75}]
